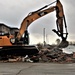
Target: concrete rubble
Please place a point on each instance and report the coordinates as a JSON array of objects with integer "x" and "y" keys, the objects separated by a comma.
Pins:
[{"x": 54, "y": 54}]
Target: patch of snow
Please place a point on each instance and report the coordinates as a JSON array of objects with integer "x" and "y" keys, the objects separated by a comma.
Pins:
[{"x": 70, "y": 49}]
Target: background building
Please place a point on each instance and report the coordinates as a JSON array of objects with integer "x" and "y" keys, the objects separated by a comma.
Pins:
[{"x": 6, "y": 29}]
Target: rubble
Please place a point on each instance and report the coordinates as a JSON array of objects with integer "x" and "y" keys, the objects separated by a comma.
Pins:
[
  {"x": 55, "y": 54},
  {"x": 74, "y": 55}
]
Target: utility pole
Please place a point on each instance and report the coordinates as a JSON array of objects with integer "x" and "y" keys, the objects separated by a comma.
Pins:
[{"x": 44, "y": 36}]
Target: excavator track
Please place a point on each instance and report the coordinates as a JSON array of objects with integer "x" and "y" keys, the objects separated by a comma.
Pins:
[{"x": 18, "y": 50}]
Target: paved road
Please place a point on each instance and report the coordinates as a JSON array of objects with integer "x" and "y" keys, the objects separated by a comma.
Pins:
[{"x": 36, "y": 69}]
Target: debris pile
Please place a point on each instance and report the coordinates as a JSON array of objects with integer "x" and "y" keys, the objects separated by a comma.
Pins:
[{"x": 54, "y": 54}]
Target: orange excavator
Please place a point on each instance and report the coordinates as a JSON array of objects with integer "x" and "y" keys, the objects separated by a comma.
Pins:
[{"x": 14, "y": 44}]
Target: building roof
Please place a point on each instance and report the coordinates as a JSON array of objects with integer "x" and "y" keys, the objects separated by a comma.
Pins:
[{"x": 1, "y": 24}]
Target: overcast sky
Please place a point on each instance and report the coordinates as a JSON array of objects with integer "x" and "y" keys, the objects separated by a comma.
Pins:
[{"x": 12, "y": 13}]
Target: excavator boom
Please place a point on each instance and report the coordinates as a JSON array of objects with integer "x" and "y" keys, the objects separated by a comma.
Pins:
[{"x": 32, "y": 17}]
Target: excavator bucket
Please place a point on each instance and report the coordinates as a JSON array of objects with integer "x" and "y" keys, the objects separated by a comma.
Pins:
[{"x": 63, "y": 44}]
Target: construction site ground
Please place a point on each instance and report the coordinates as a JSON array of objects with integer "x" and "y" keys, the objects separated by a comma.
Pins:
[{"x": 23, "y": 68}]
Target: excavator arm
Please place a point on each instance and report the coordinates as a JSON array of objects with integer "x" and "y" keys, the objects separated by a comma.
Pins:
[
  {"x": 61, "y": 25},
  {"x": 60, "y": 20},
  {"x": 42, "y": 12}
]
